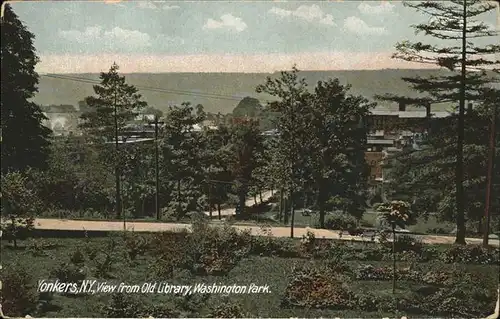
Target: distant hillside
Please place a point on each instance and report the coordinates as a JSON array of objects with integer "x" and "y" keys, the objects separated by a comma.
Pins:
[{"x": 230, "y": 87}]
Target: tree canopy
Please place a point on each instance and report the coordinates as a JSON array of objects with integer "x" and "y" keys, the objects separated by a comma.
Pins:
[{"x": 25, "y": 140}]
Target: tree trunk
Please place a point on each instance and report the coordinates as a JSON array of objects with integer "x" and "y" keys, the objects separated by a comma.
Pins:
[
  {"x": 459, "y": 174},
  {"x": 322, "y": 216},
  {"x": 292, "y": 213},
  {"x": 218, "y": 209},
  {"x": 255, "y": 198},
  {"x": 179, "y": 206},
  {"x": 14, "y": 231},
  {"x": 280, "y": 214},
  {"x": 393, "y": 259},
  {"x": 118, "y": 193},
  {"x": 260, "y": 196},
  {"x": 285, "y": 211},
  {"x": 242, "y": 192}
]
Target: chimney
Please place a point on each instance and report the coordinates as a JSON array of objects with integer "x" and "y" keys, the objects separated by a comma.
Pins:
[
  {"x": 469, "y": 108},
  {"x": 402, "y": 106}
]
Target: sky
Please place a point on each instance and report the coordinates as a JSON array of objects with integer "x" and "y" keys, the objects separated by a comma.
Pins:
[{"x": 218, "y": 36}]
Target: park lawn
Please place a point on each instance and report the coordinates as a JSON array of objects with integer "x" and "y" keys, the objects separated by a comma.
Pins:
[{"x": 273, "y": 271}]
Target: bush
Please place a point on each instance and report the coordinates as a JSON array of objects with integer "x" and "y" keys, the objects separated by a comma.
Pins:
[
  {"x": 341, "y": 222},
  {"x": 471, "y": 254},
  {"x": 205, "y": 250},
  {"x": 38, "y": 247},
  {"x": 272, "y": 246},
  {"x": 460, "y": 300},
  {"x": 67, "y": 272},
  {"x": 227, "y": 310},
  {"x": 369, "y": 272},
  {"x": 19, "y": 295},
  {"x": 136, "y": 245},
  {"x": 77, "y": 258},
  {"x": 122, "y": 306},
  {"x": 406, "y": 243},
  {"x": 103, "y": 263},
  {"x": 317, "y": 288}
]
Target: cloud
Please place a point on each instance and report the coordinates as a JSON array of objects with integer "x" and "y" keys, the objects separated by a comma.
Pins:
[
  {"x": 94, "y": 63},
  {"x": 147, "y": 5},
  {"x": 114, "y": 38},
  {"x": 167, "y": 7},
  {"x": 156, "y": 5},
  {"x": 359, "y": 27},
  {"x": 311, "y": 13},
  {"x": 383, "y": 8},
  {"x": 227, "y": 21}
]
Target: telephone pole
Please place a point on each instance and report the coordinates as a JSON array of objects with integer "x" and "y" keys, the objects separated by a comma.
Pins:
[
  {"x": 490, "y": 177},
  {"x": 157, "y": 172}
]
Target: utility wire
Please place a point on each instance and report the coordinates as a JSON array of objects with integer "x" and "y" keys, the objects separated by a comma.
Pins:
[{"x": 152, "y": 89}]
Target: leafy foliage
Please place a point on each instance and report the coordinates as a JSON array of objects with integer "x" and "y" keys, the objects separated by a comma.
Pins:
[
  {"x": 19, "y": 206},
  {"x": 318, "y": 288},
  {"x": 25, "y": 140},
  {"x": 18, "y": 294},
  {"x": 183, "y": 160}
]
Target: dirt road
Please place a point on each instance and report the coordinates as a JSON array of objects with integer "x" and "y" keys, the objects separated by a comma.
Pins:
[
  {"x": 62, "y": 224},
  {"x": 250, "y": 202}
]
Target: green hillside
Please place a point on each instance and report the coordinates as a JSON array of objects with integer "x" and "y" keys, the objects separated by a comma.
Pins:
[{"x": 230, "y": 88}]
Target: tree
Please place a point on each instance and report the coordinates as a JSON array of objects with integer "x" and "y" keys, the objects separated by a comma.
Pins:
[
  {"x": 337, "y": 144},
  {"x": 425, "y": 177},
  {"x": 396, "y": 214},
  {"x": 247, "y": 107},
  {"x": 182, "y": 154},
  {"x": 19, "y": 205},
  {"x": 116, "y": 104},
  {"x": 246, "y": 148},
  {"x": 76, "y": 179},
  {"x": 454, "y": 25},
  {"x": 217, "y": 166},
  {"x": 25, "y": 140},
  {"x": 293, "y": 98}
]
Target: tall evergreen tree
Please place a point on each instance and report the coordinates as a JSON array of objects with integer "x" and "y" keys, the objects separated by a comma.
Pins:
[
  {"x": 116, "y": 104},
  {"x": 460, "y": 50},
  {"x": 25, "y": 141},
  {"x": 183, "y": 162}
]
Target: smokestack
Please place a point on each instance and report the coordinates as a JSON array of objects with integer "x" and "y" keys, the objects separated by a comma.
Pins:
[{"x": 402, "y": 106}]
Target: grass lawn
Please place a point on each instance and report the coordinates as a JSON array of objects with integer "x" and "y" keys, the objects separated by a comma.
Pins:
[{"x": 278, "y": 271}]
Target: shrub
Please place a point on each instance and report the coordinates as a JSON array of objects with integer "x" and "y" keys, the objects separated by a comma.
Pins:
[
  {"x": 67, "y": 272},
  {"x": 368, "y": 302},
  {"x": 136, "y": 245},
  {"x": 341, "y": 222},
  {"x": 471, "y": 254},
  {"x": 460, "y": 300},
  {"x": 19, "y": 296},
  {"x": 272, "y": 246},
  {"x": 205, "y": 250},
  {"x": 369, "y": 272},
  {"x": 77, "y": 257},
  {"x": 38, "y": 247},
  {"x": 317, "y": 288},
  {"x": 122, "y": 306},
  {"x": 103, "y": 263},
  {"x": 19, "y": 204},
  {"x": 227, "y": 310}
]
